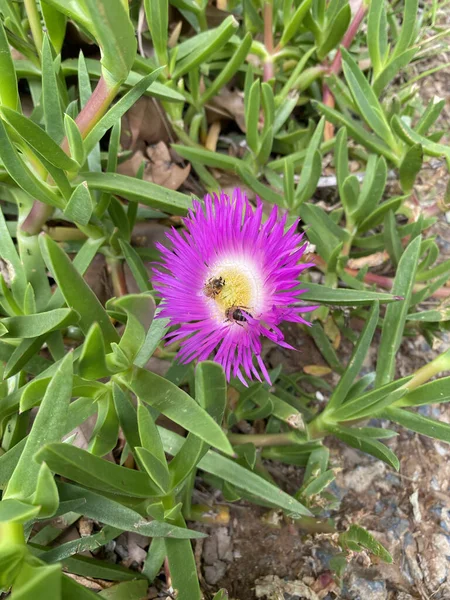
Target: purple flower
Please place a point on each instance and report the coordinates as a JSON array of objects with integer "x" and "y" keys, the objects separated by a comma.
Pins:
[{"x": 228, "y": 281}]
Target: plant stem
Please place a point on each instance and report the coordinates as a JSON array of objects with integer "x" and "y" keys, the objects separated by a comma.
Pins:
[
  {"x": 35, "y": 23},
  {"x": 94, "y": 109},
  {"x": 268, "y": 41},
  {"x": 37, "y": 218},
  {"x": 439, "y": 364},
  {"x": 115, "y": 268},
  {"x": 91, "y": 113}
]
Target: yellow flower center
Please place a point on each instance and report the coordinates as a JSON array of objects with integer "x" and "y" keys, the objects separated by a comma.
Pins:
[
  {"x": 240, "y": 287},
  {"x": 236, "y": 291}
]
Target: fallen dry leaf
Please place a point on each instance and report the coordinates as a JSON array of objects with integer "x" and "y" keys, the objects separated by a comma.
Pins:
[
  {"x": 229, "y": 104},
  {"x": 144, "y": 122},
  {"x": 159, "y": 167},
  {"x": 161, "y": 170}
]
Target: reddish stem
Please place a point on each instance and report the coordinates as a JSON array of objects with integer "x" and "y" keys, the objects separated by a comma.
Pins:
[
  {"x": 93, "y": 110},
  {"x": 89, "y": 115},
  {"x": 336, "y": 65}
]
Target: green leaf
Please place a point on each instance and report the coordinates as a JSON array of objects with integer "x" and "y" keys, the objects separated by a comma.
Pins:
[
  {"x": 22, "y": 175},
  {"x": 157, "y": 19},
  {"x": 140, "y": 191},
  {"x": 378, "y": 215},
  {"x": 432, "y": 392},
  {"x": 31, "y": 326},
  {"x": 136, "y": 265},
  {"x": 106, "y": 431},
  {"x": 85, "y": 544},
  {"x": 312, "y": 167},
  {"x": 75, "y": 290},
  {"x": 408, "y": 27},
  {"x": 343, "y": 297},
  {"x": 429, "y": 116},
  {"x": 49, "y": 426},
  {"x": 335, "y": 31},
  {"x": 229, "y": 70},
  {"x": 55, "y": 24},
  {"x": 115, "y": 514},
  {"x": 127, "y": 590},
  {"x": 366, "y": 444},
  {"x": 154, "y": 467},
  {"x": 393, "y": 243},
  {"x": 175, "y": 404},
  {"x": 325, "y": 347},
  {"x": 361, "y": 537},
  {"x": 293, "y": 24},
  {"x": 410, "y": 167},
  {"x": 118, "y": 110},
  {"x": 376, "y": 35},
  {"x": 438, "y": 430},
  {"x": 391, "y": 70},
  {"x": 53, "y": 116},
  {"x": 210, "y": 393},
  {"x": 395, "y": 317},
  {"x": 9, "y": 95},
  {"x": 75, "y": 140},
  {"x": 38, "y": 582},
  {"x": 183, "y": 570},
  {"x": 358, "y": 132},
  {"x": 80, "y": 206},
  {"x": 263, "y": 191},
  {"x": 156, "y": 332},
  {"x": 372, "y": 401},
  {"x": 46, "y": 494},
  {"x": 15, "y": 511},
  {"x": 110, "y": 24},
  {"x": 411, "y": 137},
  {"x": 219, "y": 37},
  {"x": 11, "y": 262},
  {"x": 372, "y": 190},
  {"x": 356, "y": 360},
  {"x": 318, "y": 484},
  {"x": 233, "y": 473},
  {"x": 79, "y": 411},
  {"x": 72, "y": 590},
  {"x": 365, "y": 98},
  {"x": 92, "y": 364},
  {"x": 91, "y": 471}
]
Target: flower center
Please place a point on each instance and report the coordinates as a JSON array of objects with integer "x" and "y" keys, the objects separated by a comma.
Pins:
[{"x": 239, "y": 286}]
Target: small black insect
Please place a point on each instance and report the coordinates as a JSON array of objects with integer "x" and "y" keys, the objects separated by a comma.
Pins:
[{"x": 235, "y": 314}]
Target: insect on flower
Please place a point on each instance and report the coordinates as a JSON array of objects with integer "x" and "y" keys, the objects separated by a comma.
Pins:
[
  {"x": 214, "y": 286},
  {"x": 228, "y": 280}
]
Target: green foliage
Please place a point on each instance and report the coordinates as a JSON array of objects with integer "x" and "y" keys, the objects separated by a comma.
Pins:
[{"x": 65, "y": 205}]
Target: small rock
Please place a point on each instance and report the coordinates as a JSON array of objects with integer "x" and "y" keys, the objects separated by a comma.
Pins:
[
  {"x": 214, "y": 573},
  {"x": 358, "y": 588},
  {"x": 224, "y": 551},
  {"x": 361, "y": 478}
]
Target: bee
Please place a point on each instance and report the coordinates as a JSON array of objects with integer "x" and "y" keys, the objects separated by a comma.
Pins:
[
  {"x": 214, "y": 286},
  {"x": 235, "y": 314}
]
